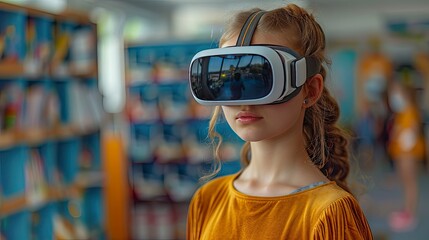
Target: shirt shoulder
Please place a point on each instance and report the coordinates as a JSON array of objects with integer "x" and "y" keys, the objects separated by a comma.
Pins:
[
  {"x": 339, "y": 214},
  {"x": 220, "y": 183},
  {"x": 329, "y": 193},
  {"x": 214, "y": 190}
]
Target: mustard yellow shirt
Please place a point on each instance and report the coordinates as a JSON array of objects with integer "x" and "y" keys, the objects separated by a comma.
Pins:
[{"x": 219, "y": 211}]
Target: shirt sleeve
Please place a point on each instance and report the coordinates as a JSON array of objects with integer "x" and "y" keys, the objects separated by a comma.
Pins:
[
  {"x": 343, "y": 219},
  {"x": 193, "y": 225}
]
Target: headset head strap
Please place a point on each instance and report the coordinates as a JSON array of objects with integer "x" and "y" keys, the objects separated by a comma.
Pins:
[{"x": 249, "y": 28}]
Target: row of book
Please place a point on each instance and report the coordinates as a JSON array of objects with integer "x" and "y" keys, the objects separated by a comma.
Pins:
[
  {"x": 185, "y": 141},
  {"x": 46, "y": 167},
  {"x": 159, "y": 64},
  {"x": 45, "y": 46},
  {"x": 168, "y": 103},
  {"x": 43, "y": 105}
]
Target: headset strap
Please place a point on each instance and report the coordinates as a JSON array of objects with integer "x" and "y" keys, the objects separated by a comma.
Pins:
[
  {"x": 249, "y": 28},
  {"x": 288, "y": 97},
  {"x": 313, "y": 66}
]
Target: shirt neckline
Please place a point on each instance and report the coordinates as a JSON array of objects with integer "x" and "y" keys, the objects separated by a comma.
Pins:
[{"x": 294, "y": 193}]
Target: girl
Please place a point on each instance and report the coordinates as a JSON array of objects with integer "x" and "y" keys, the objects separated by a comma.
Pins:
[{"x": 295, "y": 160}]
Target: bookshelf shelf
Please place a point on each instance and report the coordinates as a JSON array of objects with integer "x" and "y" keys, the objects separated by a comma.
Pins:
[
  {"x": 51, "y": 119},
  {"x": 20, "y": 202},
  {"x": 11, "y": 69},
  {"x": 34, "y": 137},
  {"x": 7, "y": 139},
  {"x": 12, "y": 204},
  {"x": 15, "y": 70}
]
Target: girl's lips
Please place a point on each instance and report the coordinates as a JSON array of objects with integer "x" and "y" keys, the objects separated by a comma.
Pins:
[{"x": 247, "y": 117}]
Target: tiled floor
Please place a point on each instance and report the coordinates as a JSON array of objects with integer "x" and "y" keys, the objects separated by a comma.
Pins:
[{"x": 383, "y": 194}]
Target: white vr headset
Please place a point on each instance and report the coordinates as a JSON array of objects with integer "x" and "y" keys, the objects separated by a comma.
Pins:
[{"x": 249, "y": 75}]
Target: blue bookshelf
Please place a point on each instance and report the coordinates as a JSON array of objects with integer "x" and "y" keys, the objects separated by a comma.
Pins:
[{"x": 51, "y": 178}]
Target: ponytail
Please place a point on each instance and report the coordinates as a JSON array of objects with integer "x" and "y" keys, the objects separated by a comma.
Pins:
[{"x": 327, "y": 143}]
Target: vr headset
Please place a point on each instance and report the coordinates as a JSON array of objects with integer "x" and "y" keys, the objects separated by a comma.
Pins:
[{"x": 249, "y": 75}]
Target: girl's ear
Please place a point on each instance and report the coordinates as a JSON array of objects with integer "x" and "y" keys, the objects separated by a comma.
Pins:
[{"x": 313, "y": 89}]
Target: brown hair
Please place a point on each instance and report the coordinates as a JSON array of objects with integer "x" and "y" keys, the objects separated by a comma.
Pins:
[{"x": 327, "y": 144}]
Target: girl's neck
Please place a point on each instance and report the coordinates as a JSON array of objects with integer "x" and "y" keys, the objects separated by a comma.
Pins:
[{"x": 275, "y": 163}]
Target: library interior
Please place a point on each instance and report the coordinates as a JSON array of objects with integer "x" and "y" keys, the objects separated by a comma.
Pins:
[{"x": 115, "y": 145}]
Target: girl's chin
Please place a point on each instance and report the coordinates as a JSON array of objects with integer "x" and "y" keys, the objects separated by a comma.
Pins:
[{"x": 249, "y": 138}]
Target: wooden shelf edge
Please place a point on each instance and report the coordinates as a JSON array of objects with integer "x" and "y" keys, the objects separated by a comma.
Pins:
[
  {"x": 66, "y": 14},
  {"x": 38, "y": 136},
  {"x": 15, "y": 204},
  {"x": 89, "y": 178},
  {"x": 7, "y": 140},
  {"x": 11, "y": 69},
  {"x": 12, "y": 205}
]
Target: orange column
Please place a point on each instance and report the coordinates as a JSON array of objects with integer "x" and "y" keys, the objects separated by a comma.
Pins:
[{"x": 116, "y": 190}]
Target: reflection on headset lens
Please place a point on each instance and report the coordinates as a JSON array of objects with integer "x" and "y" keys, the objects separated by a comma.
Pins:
[{"x": 231, "y": 77}]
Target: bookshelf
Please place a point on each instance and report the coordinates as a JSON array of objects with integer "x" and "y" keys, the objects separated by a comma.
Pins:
[
  {"x": 168, "y": 148},
  {"x": 51, "y": 178}
]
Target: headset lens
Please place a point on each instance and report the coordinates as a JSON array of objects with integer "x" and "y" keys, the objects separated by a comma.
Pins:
[{"x": 231, "y": 77}]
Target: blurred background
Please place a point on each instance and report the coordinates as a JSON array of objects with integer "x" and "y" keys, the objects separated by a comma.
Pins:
[{"x": 100, "y": 138}]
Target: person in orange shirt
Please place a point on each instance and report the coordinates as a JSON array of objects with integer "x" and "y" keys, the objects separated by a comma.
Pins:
[
  {"x": 295, "y": 157},
  {"x": 407, "y": 148},
  {"x": 374, "y": 72}
]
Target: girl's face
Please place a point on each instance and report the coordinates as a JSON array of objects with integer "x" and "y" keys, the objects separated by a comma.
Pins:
[{"x": 262, "y": 122}]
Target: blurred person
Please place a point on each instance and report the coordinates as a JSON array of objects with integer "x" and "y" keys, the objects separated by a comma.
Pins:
[
  {"x": 295, "y": 159},
  {"x": 407, "y": 148},
  {"x": 374, "y": 72}
]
